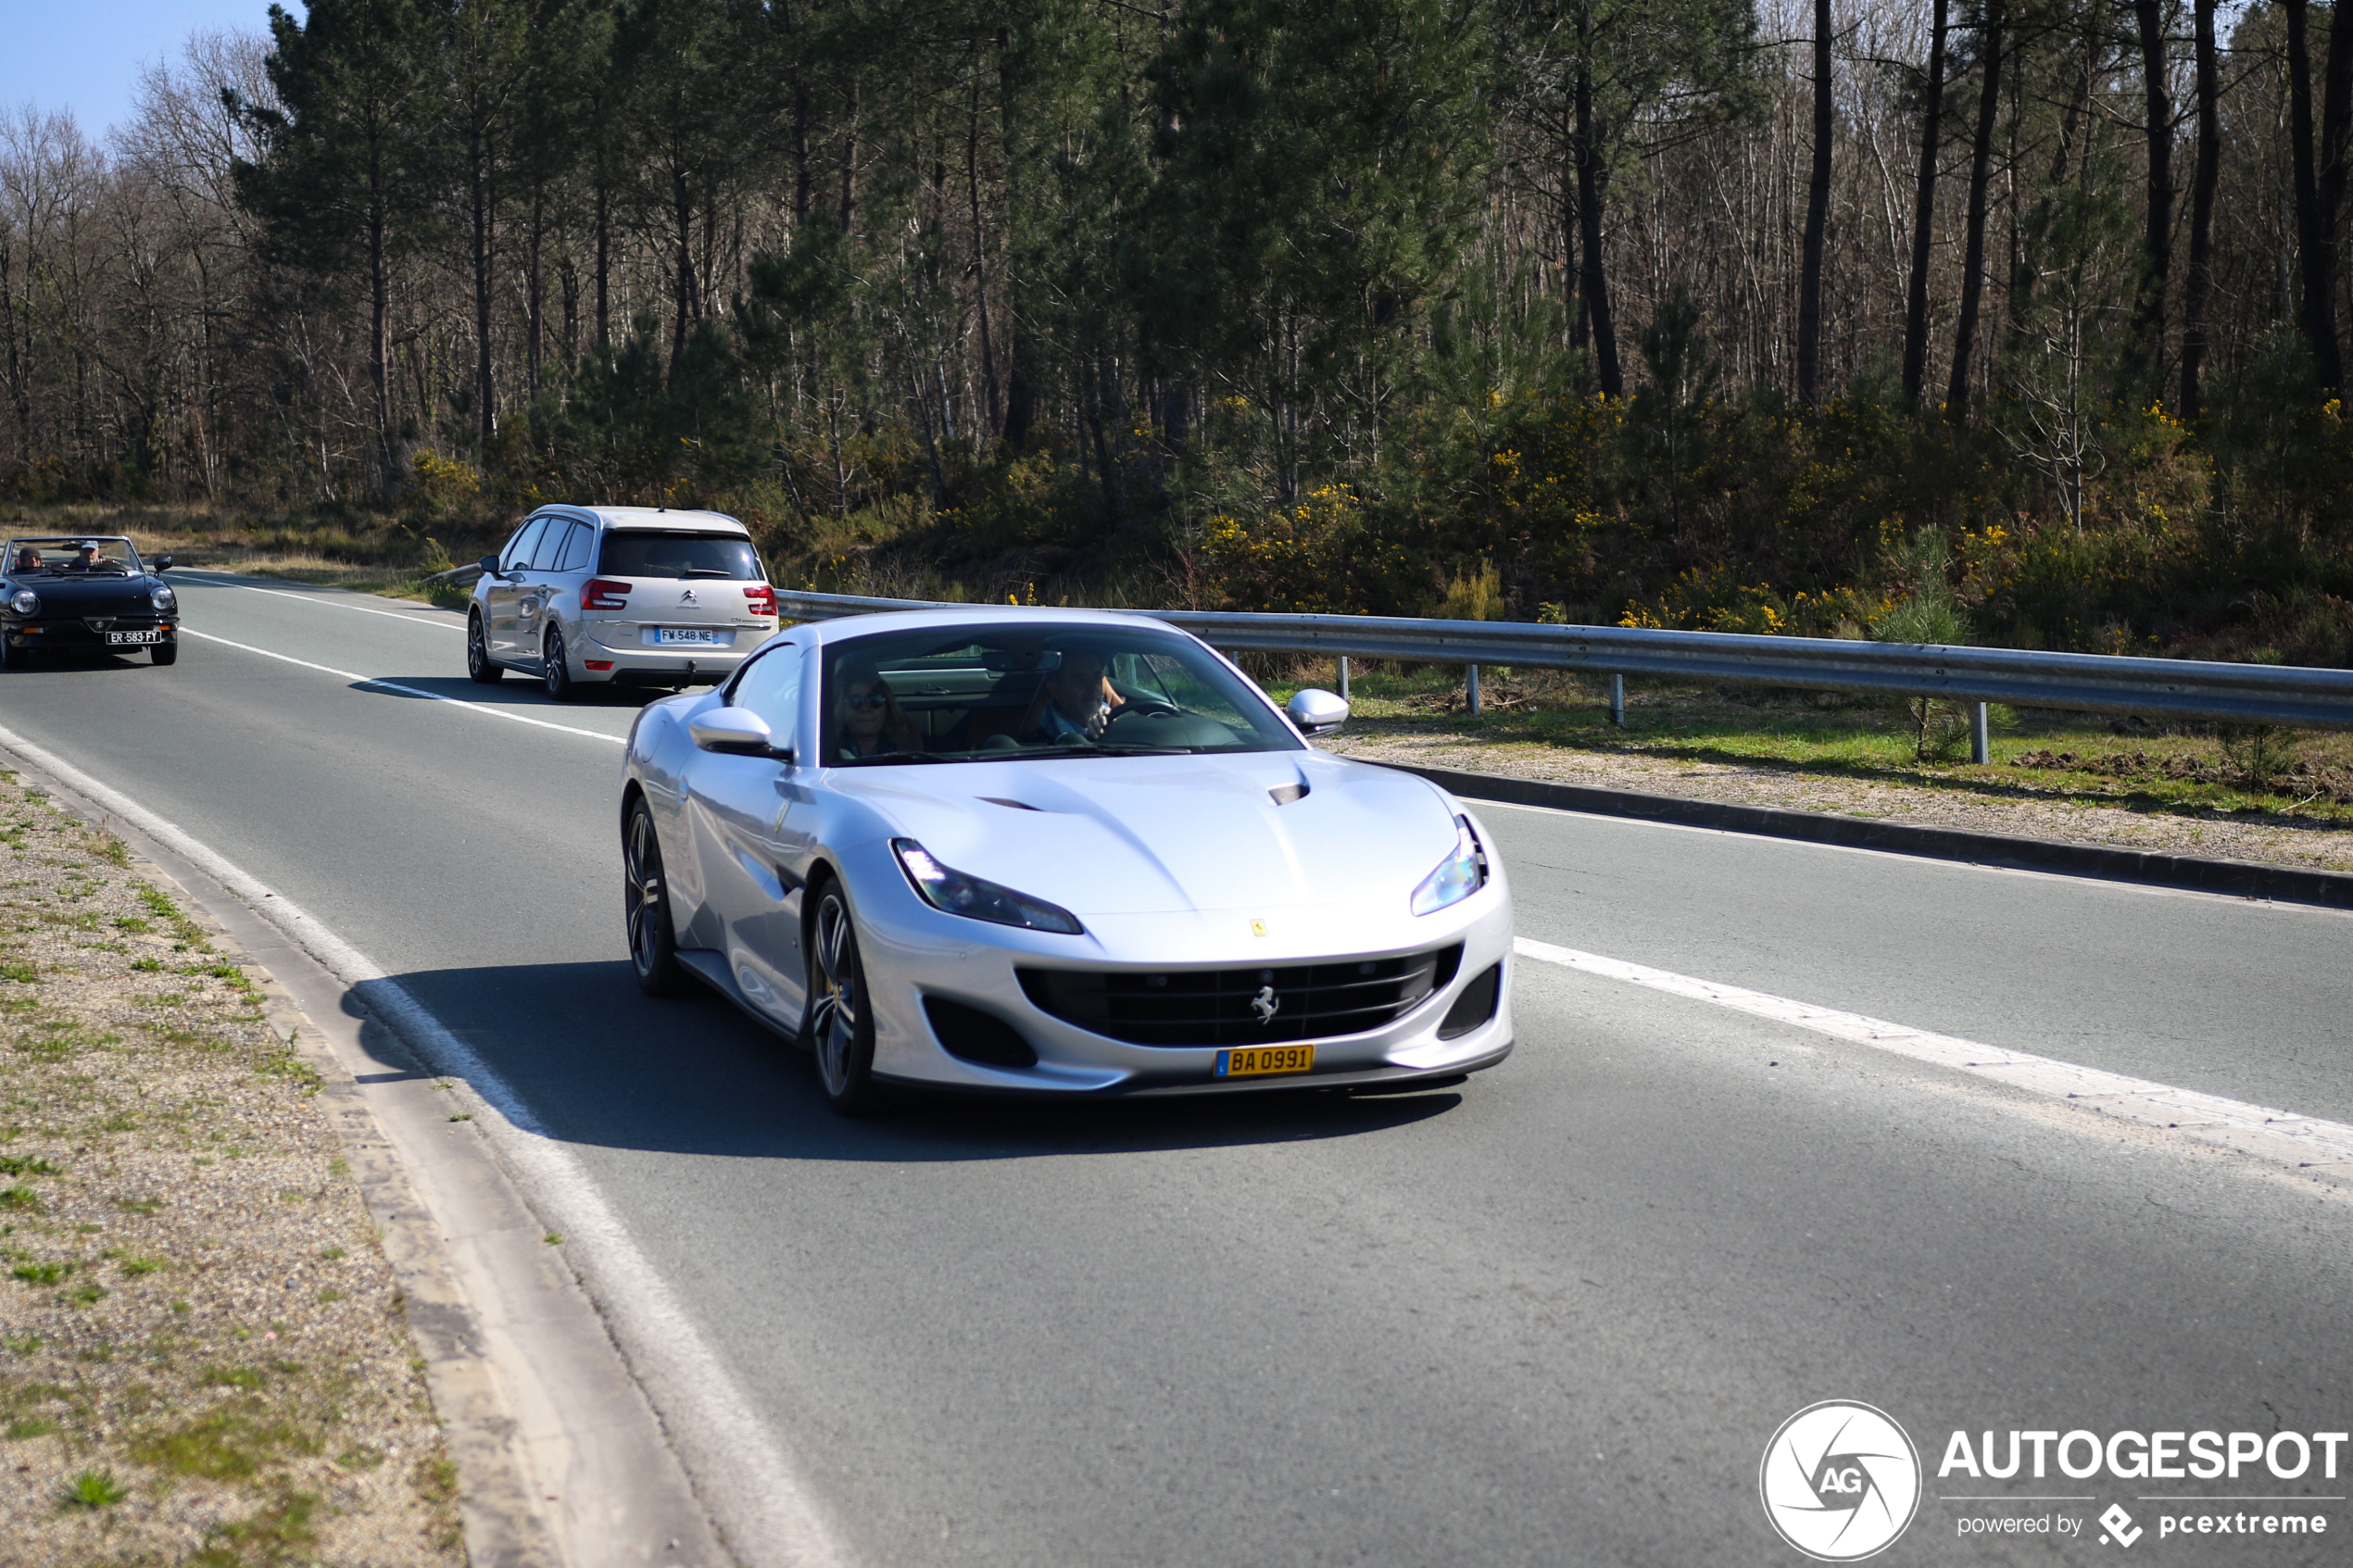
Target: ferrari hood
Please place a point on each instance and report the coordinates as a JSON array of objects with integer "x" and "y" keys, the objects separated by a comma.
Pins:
[{"x": 1261, "y": 831}]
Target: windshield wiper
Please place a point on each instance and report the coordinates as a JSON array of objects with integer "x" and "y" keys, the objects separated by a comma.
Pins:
[{"x": 706, "y": 571}]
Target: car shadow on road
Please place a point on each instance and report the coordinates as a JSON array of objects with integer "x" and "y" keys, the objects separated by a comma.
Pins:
[{"x": 595, "y": 1061}]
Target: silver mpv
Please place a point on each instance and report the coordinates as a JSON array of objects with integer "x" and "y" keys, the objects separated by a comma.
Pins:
[{"x": 622, "y": 595}]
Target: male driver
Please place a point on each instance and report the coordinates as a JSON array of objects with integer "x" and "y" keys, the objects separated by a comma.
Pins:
[
  {"x": 28, "y": 559},
  {"x": 87, "y": 558},
  {"x": 1076, "y": 704}
]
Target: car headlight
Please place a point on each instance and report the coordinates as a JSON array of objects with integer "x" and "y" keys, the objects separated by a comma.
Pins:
[
  {"x": 1458, "y": 876},
  {"x": 163, "y": 598},
  {"x": 969, "y": 895},
  {"x": 25, "y": 602}
]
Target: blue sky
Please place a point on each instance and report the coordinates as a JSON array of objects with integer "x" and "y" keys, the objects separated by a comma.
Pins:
[{"x": 84, "y": 55}]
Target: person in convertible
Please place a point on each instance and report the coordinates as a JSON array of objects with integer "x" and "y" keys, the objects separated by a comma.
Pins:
[{"x": 1076, "y": 704}]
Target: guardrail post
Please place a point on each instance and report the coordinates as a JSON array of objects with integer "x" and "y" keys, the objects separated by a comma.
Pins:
[
  {"x": 1470, "y": 685},
  {"x": 1343, "y": 677},
  {"x": 1617, "y": 700},
  {"x": 1979, "y": 752}
]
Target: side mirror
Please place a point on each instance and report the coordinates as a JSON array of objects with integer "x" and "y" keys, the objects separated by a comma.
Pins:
[
  {"x": 1316, "y": 711},
  {"x": 489, "y": 564},
  {"x": 737, "y": 731},
  {"x": 163, "y": 563}
]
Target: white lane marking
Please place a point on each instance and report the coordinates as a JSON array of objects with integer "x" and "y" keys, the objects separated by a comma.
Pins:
[
  {"x": 2077, "y": 880},
  {"x": 405, "y": 691},
  {"x": 315, "y": 599},
  {"x": 769, "y": 1513},
  {"x": 2281, "y": 1136}
]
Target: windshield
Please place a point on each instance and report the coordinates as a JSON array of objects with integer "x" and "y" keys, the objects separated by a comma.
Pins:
[
  {"x": 1000, "y": 693},
  {"x": 71, "y": 555},
  {"x": 716, "y": 556}
]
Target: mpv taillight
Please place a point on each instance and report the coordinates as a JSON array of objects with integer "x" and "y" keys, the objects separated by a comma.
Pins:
[
  {"x": 603, "y": 593},
  {"x": 763, "y": 599}
]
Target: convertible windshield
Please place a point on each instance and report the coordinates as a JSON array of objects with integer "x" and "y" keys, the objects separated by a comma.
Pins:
[
  {"x": 71, "y": 555},
  {"x": 994, "y": 693}
]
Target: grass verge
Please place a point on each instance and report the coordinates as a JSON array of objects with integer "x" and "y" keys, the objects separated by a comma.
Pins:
[{"x": 203, "y": 1357}]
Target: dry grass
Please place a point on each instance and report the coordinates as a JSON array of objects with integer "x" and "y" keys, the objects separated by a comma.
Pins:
[{"x": 202, "y": 1353}]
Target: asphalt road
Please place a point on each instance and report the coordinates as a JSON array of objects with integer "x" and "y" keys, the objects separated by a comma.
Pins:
[{"x": 1550, "y": 1317}]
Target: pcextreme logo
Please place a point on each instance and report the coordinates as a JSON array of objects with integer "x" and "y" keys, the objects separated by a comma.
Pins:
[{"x": 1840, "y": 1481}]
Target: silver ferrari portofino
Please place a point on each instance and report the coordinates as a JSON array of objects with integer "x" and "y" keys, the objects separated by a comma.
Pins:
[{"x": 1064, "y": 852}]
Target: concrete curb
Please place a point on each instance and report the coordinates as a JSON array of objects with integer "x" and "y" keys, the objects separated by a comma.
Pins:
[
  {"x": 2235, "y": 879},
  {"x": 561, "y": 1461}
]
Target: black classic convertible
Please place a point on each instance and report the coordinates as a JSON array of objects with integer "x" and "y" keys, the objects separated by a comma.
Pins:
[{"x": 84, "y": 592}]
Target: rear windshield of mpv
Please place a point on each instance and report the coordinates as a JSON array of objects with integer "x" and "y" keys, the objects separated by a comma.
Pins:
[{"x": 726, "y": 556}]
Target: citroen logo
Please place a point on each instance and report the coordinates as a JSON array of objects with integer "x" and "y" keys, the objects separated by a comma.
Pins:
[
  {"x": 1266, "y": 1005},
  {"x": 688, "y": 597}
]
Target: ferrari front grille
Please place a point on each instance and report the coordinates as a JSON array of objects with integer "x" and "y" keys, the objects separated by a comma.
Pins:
[{"x": 1242, "y": 1007}]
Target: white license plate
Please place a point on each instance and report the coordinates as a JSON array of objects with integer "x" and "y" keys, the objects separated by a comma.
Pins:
[
  {"x": 133, "y": 638},
  {"x": 691, "y": 636}
]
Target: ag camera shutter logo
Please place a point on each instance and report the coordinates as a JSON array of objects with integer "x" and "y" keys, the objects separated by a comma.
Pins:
[{"x": 1840, "y": 1481}]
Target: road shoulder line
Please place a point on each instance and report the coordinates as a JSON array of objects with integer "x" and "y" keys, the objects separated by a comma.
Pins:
[
  {"x": 2237, "y": 879},
  {"x": 562, "y": 1456},
  {"x": 2308, "y": 1146}
]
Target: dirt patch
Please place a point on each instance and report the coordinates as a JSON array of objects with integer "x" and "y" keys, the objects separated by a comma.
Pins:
[{"x": 203, "y": 1357}]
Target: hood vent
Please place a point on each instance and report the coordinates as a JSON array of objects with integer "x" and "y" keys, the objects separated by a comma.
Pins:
[
  {"x": 1016, "y": 805},
  {"x": 1285, "y": 794}
]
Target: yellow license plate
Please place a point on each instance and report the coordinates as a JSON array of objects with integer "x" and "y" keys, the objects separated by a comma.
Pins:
[{"x": 1259, "y": 1061}]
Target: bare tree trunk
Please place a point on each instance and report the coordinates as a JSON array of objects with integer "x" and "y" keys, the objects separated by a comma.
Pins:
[
  {"x": 1989, "y": 108},
  {"x": 980, "y": 265},
  {"x": 2336, "y": 124},
  {"x": 604, "y": 264},
  {"x": 479, "y": 197},
  {"x": 1593, "y": 281},
  {"x": 1817, "y": 211},
  {"x": 1924, "y": 211},
  {"x": 2202, "y": 182},
  {"x": 849, "y": 161},
  {"x": 2319, "y": 310},
  {"x": 2144, "y": 340}
]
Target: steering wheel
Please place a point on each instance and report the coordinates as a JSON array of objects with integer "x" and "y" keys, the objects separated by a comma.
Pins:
[{"x": 1146, "y": 704}]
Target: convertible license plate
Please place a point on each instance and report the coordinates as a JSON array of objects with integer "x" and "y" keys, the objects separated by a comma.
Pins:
[
  {"x": 116, "y": 639},
  {"x": 1260, "y": 1062},
  {"x": 691, "y": 636}
]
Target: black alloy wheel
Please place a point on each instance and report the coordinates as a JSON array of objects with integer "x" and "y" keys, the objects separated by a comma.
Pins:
[
  {"x": 555, "y": 668},
  {"x": 840, "y": 1030},
  {"x": 479, "y": 665},
  {"x": 644, "y": 902},
  {"x": 165, "y": 653}
]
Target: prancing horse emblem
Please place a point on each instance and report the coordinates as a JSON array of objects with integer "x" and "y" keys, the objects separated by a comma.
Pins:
[{"x": 1266, "y": 1005}]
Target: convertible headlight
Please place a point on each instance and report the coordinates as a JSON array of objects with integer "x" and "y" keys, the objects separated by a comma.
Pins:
[
  {"x": 1458, "y": 876},
  {"x": 163, "y": 598},
  {"x": 25, "y": 602},
  {"x": 970, "y": 896}
]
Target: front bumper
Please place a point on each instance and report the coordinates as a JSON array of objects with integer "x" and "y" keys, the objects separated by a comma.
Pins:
[
  {"x": 912, "y": 952},
  {"x": 62, "y": 633}
]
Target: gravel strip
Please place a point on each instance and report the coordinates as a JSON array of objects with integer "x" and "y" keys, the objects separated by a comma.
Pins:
[
  {"x": 2314, "y": 846},
  {"x": 203, "y": 1355}
]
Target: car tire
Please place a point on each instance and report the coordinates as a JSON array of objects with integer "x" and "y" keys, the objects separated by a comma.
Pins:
[
  {"x": 480, "y": 666},
  {"x": 839, "y": 1031},
  {"x": 13, "y": 659},
  {"x": 645, "y": 907},
  {"x": 165, "y": 653},
  {"x": 555, "y": 668}
]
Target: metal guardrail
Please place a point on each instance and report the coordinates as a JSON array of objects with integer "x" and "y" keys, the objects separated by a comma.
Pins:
[{"x": 2170, "y": 688}]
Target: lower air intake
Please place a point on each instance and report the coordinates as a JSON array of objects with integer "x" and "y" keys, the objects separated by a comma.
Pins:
[{"x": 1242, "y": 1007}]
